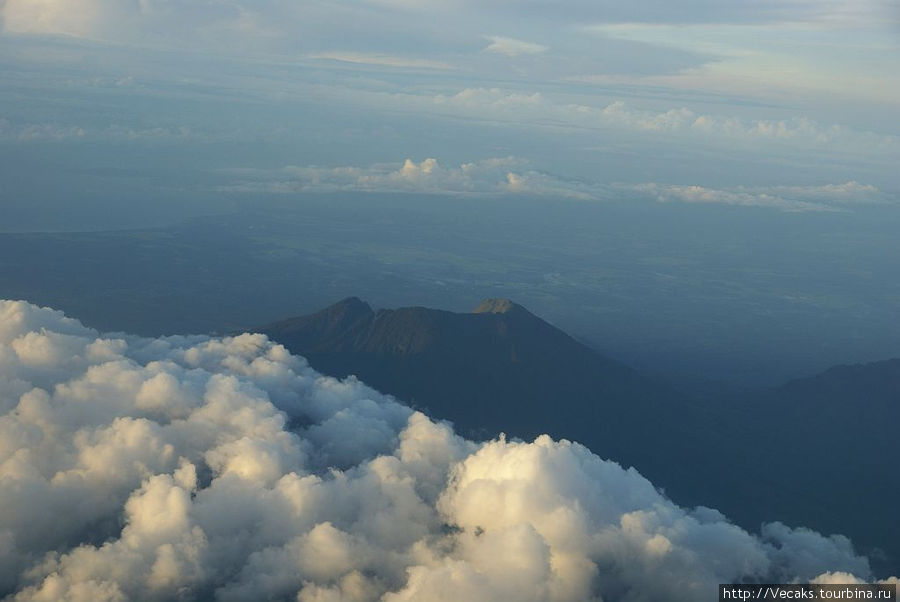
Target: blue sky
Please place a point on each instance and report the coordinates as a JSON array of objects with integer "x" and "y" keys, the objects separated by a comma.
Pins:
[{"x": 790, "y": 105}]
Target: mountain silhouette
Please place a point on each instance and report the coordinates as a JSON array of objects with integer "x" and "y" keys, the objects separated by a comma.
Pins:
[
  {"x": 499, "y": 369},
  {"x": 875, "y": 387},
  {"x": 835, "y": 435},
  {"x": 770, "y": 455}
]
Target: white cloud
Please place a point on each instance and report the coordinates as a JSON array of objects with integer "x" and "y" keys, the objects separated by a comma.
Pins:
[
  {"x": 381, "y": 60},
  {"x": 538, "y": 110},
  {"x": 829, "y": 197},
  {"x": 55, "y": 132},
  {"x": 447, "y": 30},
  {"x": 39, "y": 132},
  {"x": 89, "y": 17},
  {"x": 513, "y": 47},
  {"x": 76, "y": 17},
  {"x": 164, "y": 468},
  {"x": 112, "y": 19},
  {"x": 699, "y": 194},
  {"x": 453, "y": 77},
  {"x": 507, "y": 175},
  {"x": 807, "y": 58},
  {"x": 222, "y": 25},
  {"x": 848, "y": 192}
]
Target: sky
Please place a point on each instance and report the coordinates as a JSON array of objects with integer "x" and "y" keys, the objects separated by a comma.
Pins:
[
  {"x": 789, "y": 105},
  {"x": 199, "y": 467}
]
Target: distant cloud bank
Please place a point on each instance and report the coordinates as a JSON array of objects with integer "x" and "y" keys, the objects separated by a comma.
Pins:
[
  {"x": 55, "y": 132},
  {"x": 539, "y": 110},
  {"x": 506, "y": 175},
  {"x": 511, "y": 175},
  {"x": 830, "y": 197},
  {"x": 194, "y": 467}
]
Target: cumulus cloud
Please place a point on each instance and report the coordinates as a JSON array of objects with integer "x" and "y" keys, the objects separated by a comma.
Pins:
[
  {"x": 504, "y": 175},
  {"x": 513, "y": 47},
  {"x": 512, "y": 175},
  {"x": 197, "y": 468}
]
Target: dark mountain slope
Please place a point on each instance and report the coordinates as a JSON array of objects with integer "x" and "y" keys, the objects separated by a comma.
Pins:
[
  {"x": 875, "y": 386},
  {"x": 502, "y": 369},
  {"x": 818, "y": 452},
  {"x": 834, "y": 435}
]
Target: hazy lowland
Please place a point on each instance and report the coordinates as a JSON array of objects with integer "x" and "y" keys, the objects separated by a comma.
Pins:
[
  {"x": 742, "y": 295},
  {"x": 715, "y": 318},
  {"x": 383, "y": 301}
]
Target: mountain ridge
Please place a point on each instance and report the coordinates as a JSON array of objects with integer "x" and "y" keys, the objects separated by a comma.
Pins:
[
  {"x": 503, "y": 369},
  {"x": 500, "y": 368},
  {"x": 498, "y": 335}
]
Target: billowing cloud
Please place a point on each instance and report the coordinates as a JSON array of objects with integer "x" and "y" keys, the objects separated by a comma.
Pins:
[{"x": 197, "y": 468}]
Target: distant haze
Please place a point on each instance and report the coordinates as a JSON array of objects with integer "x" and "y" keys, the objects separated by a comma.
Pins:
[
  {"x": 738, "y": 294},
  {"x": 735, "y": 163}
]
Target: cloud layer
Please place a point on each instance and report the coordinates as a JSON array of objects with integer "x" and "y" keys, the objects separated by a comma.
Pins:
[
  {"x": 538, "y": 109},
  {"x": 502, "y": 175},
  {"x": 513, "y": 47},
  {"x": 193, "y": 467},
  {"x": 829, "y": 197},
  {"x": 511, "y": 175}
]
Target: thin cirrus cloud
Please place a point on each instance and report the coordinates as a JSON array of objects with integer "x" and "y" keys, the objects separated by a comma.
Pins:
[
  {"x": 512, "y": 47},
  {"x": 828, "y": 197},
  {"x": 110, "y": 19},
  {"x": 381, "y": 60},
  {"x": 696, "y": 75},
  {"x": 192, "y": 482},
  {"x": 54, "y": 132},
  {"x": 50, "y": 15},
  {"x": 689, "y": 89},
  {"x": 758, "y": 59},
  {"x": 541, "y": 110},
  {"x": 536, "y": 111},
  {"x": 446, "y": 31}
]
